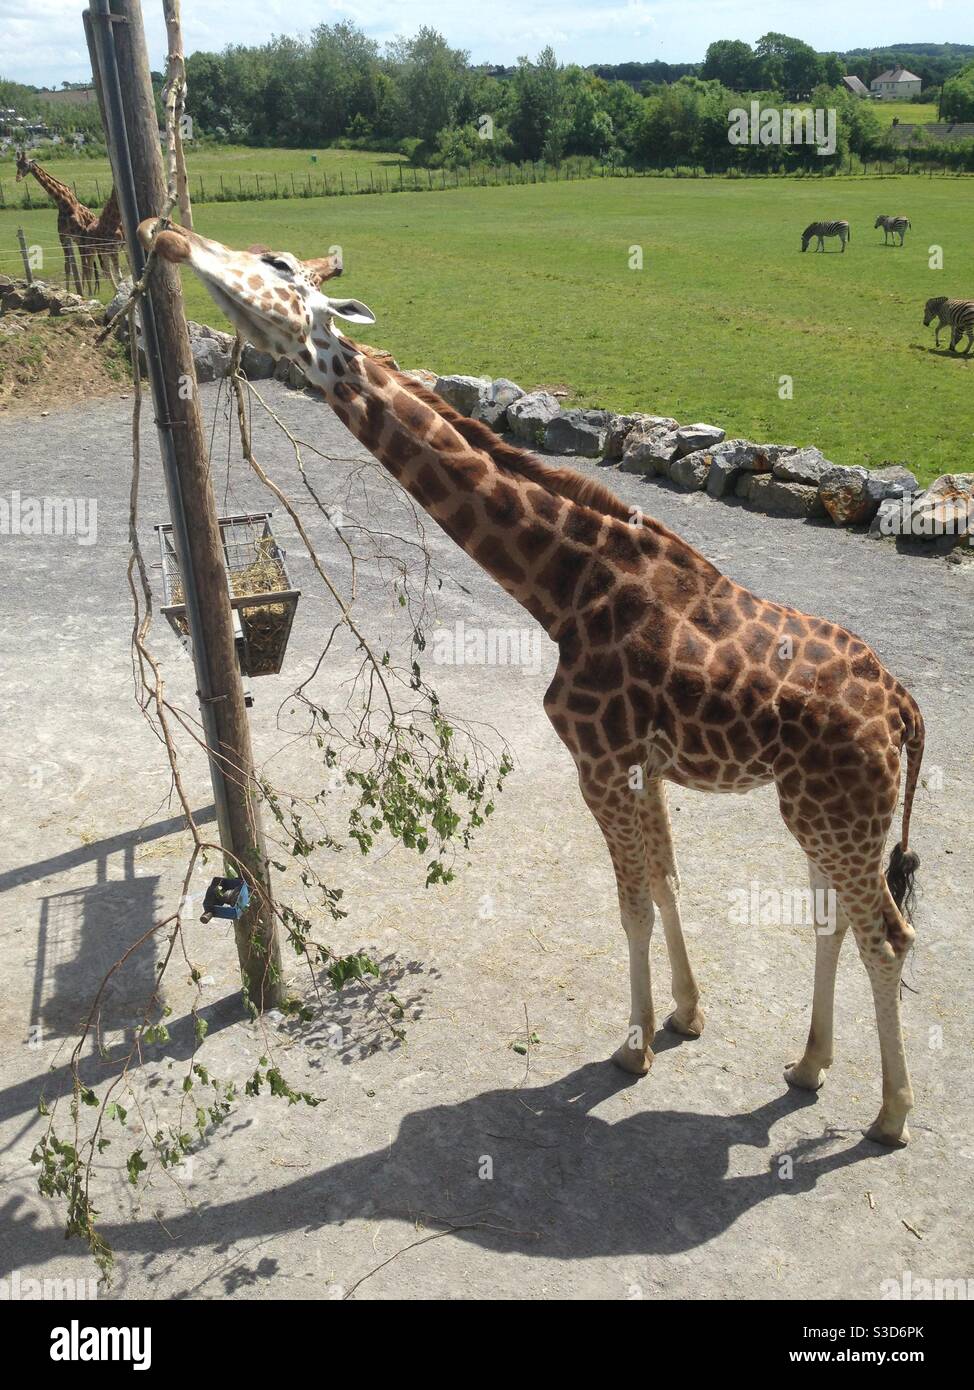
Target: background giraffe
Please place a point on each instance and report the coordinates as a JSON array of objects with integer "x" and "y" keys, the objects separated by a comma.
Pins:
[
  {"x": 668, "y": 670},
  {"x": 101, "y": 242},
  {"x": 74, "y": 219}
]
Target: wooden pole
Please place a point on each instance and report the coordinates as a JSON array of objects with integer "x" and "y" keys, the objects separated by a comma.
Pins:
[
  {"x": 175, "y": 93},
  {"x": 122, "y": 72},
  {"x": 23, "y": 251}
]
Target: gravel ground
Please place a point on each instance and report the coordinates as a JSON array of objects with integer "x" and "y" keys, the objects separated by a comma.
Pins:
[{"x": 549, "y": 1175}]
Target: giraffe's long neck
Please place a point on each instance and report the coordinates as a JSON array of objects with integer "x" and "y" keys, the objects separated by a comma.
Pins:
[
  {"x": 110, "y": 221},
  {"x": 60, "y": 192},
  {"x": 540, "y": 547}
]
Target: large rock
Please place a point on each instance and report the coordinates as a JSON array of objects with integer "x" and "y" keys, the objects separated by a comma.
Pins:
[
  {"x": 464, "y": 393},
  {"x": 649, "y": 449},
  {"x": 117, "y": 303},
  {"x": 492, "y": 408},
  {"x": 579, "y": 432},
  {"x": 945, "y": 509},
  {"x": 256, "y": 365},
  {"x": 211, "y": 351},
  {"x": 805, "y": 466},
  {"x": 690, "y": 471},
  {"x": 622, "y": 427},
  {"x": 776, "y": 497},
  {"x": 851, "y": 496},
  {"x": 899, "y": 480},
  {"x": 423, "y": 376},
  {"x": 530, "y": 415},
  {"x": 691, "y": 438}
]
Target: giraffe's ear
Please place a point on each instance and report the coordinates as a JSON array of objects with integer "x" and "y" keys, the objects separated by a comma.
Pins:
[{"x": 352, "y": 309}]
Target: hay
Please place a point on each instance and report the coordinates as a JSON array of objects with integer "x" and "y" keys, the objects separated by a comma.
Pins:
[{"x": 265, "y": 625}]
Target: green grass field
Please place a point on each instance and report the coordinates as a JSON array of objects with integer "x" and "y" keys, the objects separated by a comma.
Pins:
[
  {"x": 533, "y": 282},
  {"x": 907, "y": 112},
  {"x": 93, "y": 178}
]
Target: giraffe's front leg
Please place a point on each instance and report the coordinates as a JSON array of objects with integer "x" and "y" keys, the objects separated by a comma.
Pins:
[
  {"x": 687, "y": 1018},
  {"x": 618, "y": 817},
  {"x": 830, "y": 926}
]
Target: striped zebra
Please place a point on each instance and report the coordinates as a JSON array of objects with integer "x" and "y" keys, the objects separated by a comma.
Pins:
[
  {"x": 824, "y": 229},
  {"x": 893, "y": 224},
  {"x": 957, "y": 313}
]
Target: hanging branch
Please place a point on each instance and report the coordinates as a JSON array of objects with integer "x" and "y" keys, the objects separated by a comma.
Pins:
[{"x": 174, "y": 100}]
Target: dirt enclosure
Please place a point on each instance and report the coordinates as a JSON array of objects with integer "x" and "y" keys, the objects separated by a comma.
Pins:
[{"x": 468, "y": 1161}]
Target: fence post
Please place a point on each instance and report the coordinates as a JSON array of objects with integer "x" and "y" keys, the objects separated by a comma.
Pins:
[{"x": 23, "y": 251}]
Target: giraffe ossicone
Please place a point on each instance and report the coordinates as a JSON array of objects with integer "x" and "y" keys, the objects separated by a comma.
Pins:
[{"x": 664, "y": 663}]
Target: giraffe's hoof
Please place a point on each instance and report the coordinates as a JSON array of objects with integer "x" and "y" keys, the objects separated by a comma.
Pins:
[
  {"x": 688, "y": 1026},
  {"x": 635, "y": 1060},
  {"x": 803, "y": 1077},
  {"x": 890, "y": 1136}
]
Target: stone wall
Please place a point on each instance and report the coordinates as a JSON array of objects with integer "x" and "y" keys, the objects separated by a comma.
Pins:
[{"x": 774, "y": 479}]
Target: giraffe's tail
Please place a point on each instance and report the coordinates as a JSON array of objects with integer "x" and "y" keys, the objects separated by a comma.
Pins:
[{"x": 904, "y": 862}]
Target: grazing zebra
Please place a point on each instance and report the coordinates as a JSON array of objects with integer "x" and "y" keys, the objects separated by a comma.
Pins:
[
  {"x": 823, "y": 229},
  {"x": 958, "y": 313},
  {"x": 893, "y": 224}
]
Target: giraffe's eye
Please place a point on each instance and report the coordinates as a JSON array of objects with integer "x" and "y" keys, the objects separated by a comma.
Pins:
[{"x": 278, "y": 264}]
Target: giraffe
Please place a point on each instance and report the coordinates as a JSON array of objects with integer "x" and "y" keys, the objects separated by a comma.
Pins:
[
  {"x": 103, "y": 239},
  {"x": 668, "y": 671},
  {"x": 73, "y": 218}
]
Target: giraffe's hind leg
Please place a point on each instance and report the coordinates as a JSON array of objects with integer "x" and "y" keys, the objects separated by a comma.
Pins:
[
  {"x": 831, "y": 925},
  {"x": 615, "y": 808},
  {"x": 847, "y": 844},
  {"x": 687, "y": 1018}
]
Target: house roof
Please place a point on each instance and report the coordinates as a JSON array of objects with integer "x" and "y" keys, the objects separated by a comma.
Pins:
[
  {"x": 855, "y": 84},
  {"x": 896, "y": 75},
  {"x": 942, "y": 132}
]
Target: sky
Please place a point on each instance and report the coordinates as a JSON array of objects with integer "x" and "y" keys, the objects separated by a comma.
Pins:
[{"x": 42, "y": 41}]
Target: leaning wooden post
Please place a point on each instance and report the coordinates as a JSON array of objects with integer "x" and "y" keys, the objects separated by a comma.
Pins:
[
  {"x": 174, "y": 96},
  {"x": 23, "y": 251},
  {"x": 122, "y": 73}
]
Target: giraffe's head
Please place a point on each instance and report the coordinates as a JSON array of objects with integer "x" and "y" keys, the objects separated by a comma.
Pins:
[
  {"x": 272, "y": 298},
  {"x": 23, "y": 165}
]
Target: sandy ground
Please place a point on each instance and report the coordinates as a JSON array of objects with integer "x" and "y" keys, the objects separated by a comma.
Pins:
[{"x": 450, "y": 1165}]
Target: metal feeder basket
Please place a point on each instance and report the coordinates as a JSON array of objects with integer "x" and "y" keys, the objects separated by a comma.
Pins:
[
  {"x": 226, "y": 897},
  {"x": 261, "y": 595}
]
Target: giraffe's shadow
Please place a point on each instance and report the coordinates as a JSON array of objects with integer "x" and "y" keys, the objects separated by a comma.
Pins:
[{"x": 531, "y": 1169}]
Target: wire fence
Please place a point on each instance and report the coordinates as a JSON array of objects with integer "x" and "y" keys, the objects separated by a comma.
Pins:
[{"x": 407, "y": 178}]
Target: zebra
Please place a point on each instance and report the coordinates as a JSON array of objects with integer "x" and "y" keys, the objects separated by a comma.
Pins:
[
  {"x": 893, "y": 224},
  {"x": 957, "y": 313},
  {"x": 823, "y": 229}
]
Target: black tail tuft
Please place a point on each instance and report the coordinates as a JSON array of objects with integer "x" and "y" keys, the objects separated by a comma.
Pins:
[{"x": 903, "y": 864}]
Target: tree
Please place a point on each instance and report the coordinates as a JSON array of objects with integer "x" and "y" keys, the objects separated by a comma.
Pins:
[
  {"x": 789, "y": 65},
  {"x": 958, "y": 96},
  {"x": 538, "y": 126},
  {"x": 433, "y": 82},
  {"x": 732, "y": 63}
]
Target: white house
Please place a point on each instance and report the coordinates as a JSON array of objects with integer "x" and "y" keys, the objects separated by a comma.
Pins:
[{"x": 896, "y": 85}]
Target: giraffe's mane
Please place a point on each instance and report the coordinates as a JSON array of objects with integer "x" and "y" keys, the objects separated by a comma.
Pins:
[{"x": 561, "y": 482}]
